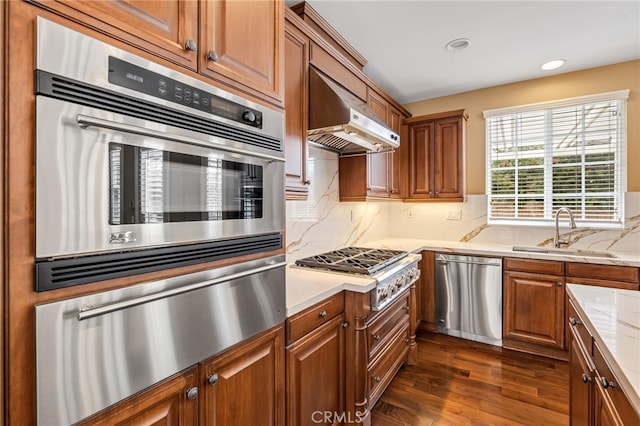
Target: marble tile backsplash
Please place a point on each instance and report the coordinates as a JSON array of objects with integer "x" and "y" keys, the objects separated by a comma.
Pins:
[{"x": 322, "y": 223}]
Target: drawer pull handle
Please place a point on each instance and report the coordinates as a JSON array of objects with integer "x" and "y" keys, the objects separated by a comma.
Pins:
[
  {"x": 607, "y": 384},
  {"x": 376, "y": 337},
  {"x": 191, "y": 45},
  {"x": 377, "y": 379},
  {"x": 323, "y": 314},
  {"x": 213, "y": 379},
  {"x": 585, "y": 378},
  {"x": 192, "y": 393}
]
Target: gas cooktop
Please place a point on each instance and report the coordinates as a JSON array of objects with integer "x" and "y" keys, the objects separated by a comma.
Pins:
[{"x": 355, "y": 260}]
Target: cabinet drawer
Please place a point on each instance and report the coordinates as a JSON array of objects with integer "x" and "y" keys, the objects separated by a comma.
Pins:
[
  {"x": 334, "y": 69},
  {"x": 384, "y": 369},
  {"x": 610, "y": 275},
  {"x": 579, "y": 330},
  {"x": 307, "y": 320},
  {"x": 381, "y": 329},
  {"x": 620, "y": 401},
  {"x": 537, "y": 266}
]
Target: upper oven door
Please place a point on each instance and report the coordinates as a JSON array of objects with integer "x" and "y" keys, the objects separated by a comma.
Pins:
[{"x": 106, "y": 181}]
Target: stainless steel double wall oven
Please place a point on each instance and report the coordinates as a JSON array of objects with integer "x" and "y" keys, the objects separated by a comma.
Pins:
[{"x": 141, "y": 168}]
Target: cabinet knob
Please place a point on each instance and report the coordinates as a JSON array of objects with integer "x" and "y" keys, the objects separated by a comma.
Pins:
[
  {"x": 212, "y": 56},
  {"x": 323, "y": 314},
  {"x": 192, "y": 393},
  {"x": 377, "y": 379},
  {"x": 213, "y": 379},
  {"x": 345, "y": 324},
  {"x": 376, "y": 337},
  {"x": 607, "y": 384},
  {"x": 191, "y": 45},
  {"x": 559, "y": 284},
  {"x": 585, "y": 378},
  {"x": 574, "y": 321},
  {"x": 406, "y": 308},
  {"x": 307, "y": 182},
  {"x": 406, "y": 341}
]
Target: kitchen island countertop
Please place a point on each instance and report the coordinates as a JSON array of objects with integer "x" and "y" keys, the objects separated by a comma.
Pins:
[{"x": 612, "y": 316}]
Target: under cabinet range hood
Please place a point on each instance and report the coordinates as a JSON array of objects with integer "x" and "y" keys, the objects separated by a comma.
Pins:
[{"x": 342, "y": 122}]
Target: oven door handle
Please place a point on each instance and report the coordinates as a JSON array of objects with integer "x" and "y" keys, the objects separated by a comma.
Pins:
[
  {"x": 87, "y": 312},
  {"x": 87, "y": 121}
]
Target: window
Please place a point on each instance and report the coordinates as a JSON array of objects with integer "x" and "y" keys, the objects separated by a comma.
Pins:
[{"x": 569, "y": 153}]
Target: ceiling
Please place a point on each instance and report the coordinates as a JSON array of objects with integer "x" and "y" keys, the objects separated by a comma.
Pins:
[{"x": 404, "y": 41}]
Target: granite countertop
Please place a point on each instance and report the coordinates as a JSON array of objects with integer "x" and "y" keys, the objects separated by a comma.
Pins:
[
  {"x": 613, "y": 318},
  {"x": 307, "y": 287}
]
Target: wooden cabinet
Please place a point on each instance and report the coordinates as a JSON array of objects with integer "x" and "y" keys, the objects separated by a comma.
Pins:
[
  {"x": 436, "y": 156},
  {"x": 162, "y": 27},
  {"x": 427, "y": 292},
  {"x": 596, "y": 397},
  {"x": 296, "y": 71},
  {"x": 387, "y": 345},
  {"x": 245, "y": 385},
  {"x": 315, "y": 360},
  {"x": 534, "y": 306},
  {"x": 624, "y": 277},
  {"x": 172, "y": 402},
  {"x": 238, "y": 43},
  {"x": 581, "y": 373},
  {"x": 241, "y": 41}
]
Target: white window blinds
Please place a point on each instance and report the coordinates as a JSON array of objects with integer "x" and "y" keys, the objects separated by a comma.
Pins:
[{"x": 569, "y": 153}]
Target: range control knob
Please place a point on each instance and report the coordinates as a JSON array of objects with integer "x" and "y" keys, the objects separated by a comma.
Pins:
[{"x": 249, "y": 116}]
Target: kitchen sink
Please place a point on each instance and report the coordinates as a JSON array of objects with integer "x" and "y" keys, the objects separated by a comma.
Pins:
[{"x": 566, "y": 252}]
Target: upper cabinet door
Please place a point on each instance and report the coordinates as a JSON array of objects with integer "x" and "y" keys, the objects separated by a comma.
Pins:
[
  {"x": 421, "y": 140},
  {"x": 242, "y": 42},
  {"x": 448, "y": 158},
  {"x": 162, "y": 27}
]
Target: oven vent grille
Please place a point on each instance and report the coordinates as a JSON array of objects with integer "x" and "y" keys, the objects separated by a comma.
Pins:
[
  {"x": 59, "y": 273},
  {"x": 85, "y": 94}
]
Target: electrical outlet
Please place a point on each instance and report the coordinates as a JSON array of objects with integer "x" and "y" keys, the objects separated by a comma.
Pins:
[
  {"x": 454, "y": 215},
  {"x": 410, "y": 213}
]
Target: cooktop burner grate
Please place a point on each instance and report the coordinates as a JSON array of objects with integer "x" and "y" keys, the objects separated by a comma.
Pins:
[{"x": 356, "y": 260}]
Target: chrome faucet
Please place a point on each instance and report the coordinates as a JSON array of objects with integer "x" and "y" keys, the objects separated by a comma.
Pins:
[{"x": 557, "y": 242}]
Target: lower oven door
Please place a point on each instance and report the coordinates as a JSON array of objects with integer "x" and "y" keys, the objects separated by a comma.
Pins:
[
  {"x": 110, "y": 182},
  {"x": 96, "y": 350}
]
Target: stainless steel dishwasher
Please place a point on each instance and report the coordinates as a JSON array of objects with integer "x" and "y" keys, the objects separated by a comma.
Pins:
[{"x": 469, "y": 297}]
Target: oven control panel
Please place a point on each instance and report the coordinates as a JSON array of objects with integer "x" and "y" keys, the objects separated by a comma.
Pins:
[
  {"x": 392, "y": 287},
  {"x": 142, "y": 80}
]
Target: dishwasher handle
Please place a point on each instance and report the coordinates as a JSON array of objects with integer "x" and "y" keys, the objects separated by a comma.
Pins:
[{"x": 489, "y": 262}]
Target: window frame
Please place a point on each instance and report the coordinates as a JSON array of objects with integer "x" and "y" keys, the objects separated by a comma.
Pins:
[{"x": 545, "y": 108}]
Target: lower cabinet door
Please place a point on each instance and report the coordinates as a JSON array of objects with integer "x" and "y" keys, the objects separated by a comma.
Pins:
[
  {"x": 315, "y": 376},
  {"x": 172, "y": 402},
  {"x": 580, "y": 386},
  {"x": 245, "y": 385},
  {"x": 605, "y": 413}
]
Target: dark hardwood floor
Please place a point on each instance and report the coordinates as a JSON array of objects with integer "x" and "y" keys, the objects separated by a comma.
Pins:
[{"x": 460, "y": 382}]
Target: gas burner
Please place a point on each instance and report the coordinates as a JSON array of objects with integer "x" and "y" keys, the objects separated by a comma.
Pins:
[
  {"x": 356, "y": 260},
  {"x": 393, "y": 270}
]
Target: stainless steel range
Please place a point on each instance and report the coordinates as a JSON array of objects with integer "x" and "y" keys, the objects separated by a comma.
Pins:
[{"x": 393, "y": 270}]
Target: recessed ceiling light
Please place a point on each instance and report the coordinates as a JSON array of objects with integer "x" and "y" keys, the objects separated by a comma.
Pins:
[
  {"x": 458, "y": 44},
  {"x": 552, "y": 65}
]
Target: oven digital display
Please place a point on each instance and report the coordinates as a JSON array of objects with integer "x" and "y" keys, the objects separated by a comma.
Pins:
[{"x": 125, "y": 74}]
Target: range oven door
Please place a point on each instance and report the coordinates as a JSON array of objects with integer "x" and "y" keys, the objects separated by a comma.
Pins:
[{"x": 110, "y": 182}]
